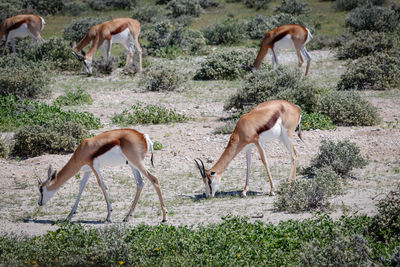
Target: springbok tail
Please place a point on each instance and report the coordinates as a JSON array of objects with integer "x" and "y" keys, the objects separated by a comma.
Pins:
[
  {"x": 149, "y": 147},
  {"x": 43, "y": 23},
  {"x": 309, "y": 36}
]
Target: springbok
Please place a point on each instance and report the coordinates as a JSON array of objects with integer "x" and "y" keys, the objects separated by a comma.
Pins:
[
  {"x": 289, "y": 36},
  {"x": 21, "y": 26},
  {"x": 121, "y": 30},
  {"x": 110, "y": 148},
  {"x": 275, "y": 119}
]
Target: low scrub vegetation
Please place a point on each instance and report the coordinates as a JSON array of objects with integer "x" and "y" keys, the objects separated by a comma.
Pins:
[
  {"x": 227, "y": 65},
  {"x": 316, "y": 120},
  {"x": 179, "y": 8},
  {"x": 379, "y": 71},
  {"x": 147, "y": 114},
  {"x": 288, "y": 243},
  {"x": 349, "y": 109},
  {"x": 293, "y": 7},
  {"x": 308, "y": 194},
  {"x": 105, "y": 65},
  {"x": 55, "y": 137},
  {"x": 348, "y": 5},
  {"x": 365, "y": 43},
  {"x": 373, "y": 18},
  {"x": 17, "y": 113},
  {"x": 227, "y": 32},
  {"x": 103, "y": 5},
  {"x": 162, "y": 78},
  {"x": 4, "y": 150},
  {"x": 22, "y": 78},
  {"x": 73, "y": 98},
  {"x": 342, "y": 157},
  {"x": 282, "y": 83}
]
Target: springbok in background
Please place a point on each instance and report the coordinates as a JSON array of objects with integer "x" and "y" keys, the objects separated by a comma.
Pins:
[
  {"x": 122, "y": 30},
  {"x": 276, "y": 119},
  {"x": 111, "y": 148},
  {"x": 21, "y": 26},
  {"x": 290, "y": 36}
]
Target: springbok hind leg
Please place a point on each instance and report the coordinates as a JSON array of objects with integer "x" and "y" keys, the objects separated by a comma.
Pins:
[
  {"x": 287, "y": 141},
  {"x": 265, "y": 162},
  {"x": 157, "y": 187},
  {"x": 139, "y": 184}
]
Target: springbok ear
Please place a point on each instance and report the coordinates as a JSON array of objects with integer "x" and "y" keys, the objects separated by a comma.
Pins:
[{"x": 50, "y": 171}]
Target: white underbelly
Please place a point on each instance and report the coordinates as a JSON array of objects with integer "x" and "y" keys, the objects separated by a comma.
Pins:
[
  {"x": 122, "y": 37},
  {"x": 20, "y": 32},
  {"x": 112, "y": 157},
  {"x": 284, "y": 43}
]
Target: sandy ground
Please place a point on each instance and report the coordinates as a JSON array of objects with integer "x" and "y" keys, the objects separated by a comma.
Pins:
[{"x": 182, "y": 186}]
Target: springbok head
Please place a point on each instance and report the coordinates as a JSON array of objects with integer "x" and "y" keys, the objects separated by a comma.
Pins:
[
  {"x": 87, "y": 63},
  {"x": 44, "y": 193},
  {"x": 210, "y": 178}
]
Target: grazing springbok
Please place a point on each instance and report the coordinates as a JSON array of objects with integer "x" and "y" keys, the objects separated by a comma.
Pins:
[
  {"x": 111, "y": 148},
  {"x": 275, "y": 119},
  {"x": 21, "y": 26},
  {"x": 121, "y": 30},
  {"x": 289, "y": 36}
]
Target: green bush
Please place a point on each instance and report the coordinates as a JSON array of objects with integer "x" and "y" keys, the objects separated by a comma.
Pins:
[
  {"x": 343, "y": 250},
  {"x": 73, "y": 98},
  {"x": 385, "y": 226},
  {"x": 179, "y": 8},
  {"x": 9, "y": 9},
  {"x": 4, "y": 150},
  {"x": 349, "y": 109},
  {"x": 316, "y": 120},
  {"x": 16, "y": 113},
  {"x": 162, "y": 78},
  {"x": 208, "y": 4},
  {"x": 342, "y": 157},
  {"x": 319, "y": 42},
  {"x": 148, "y": 13},
  {"x": 365, "y": 43},
  {"x": 147, "y": 114},
  {"x": 352, "y": 4},
  {"x": 55, "y": 52},
  {"x": 190, "y": 41},
  {"x": 379, "y": 71},
  {"x": 227, "y": 65},
  {"x": 105, "y": 65},
  {"x": 157, "y": 145},
  {"x": 76, "y": 30},
  {"x": 282, "y": 83},
  {"x": 75, "y": 8},
  {"x": 23, "y": 78},
  {"x": 308, "y": 194},
  {"x": 373, "y": 18},
  {"x": 55, "y": 137},
  {"x": 293, "y": 7},
  {"x": 257, "y": 26},
  {"x": 44, "y": 7},
  {"x": 257, "y": 4},
  {"x": 103, "y": 5},
  {"x": 228, "y": 32}
]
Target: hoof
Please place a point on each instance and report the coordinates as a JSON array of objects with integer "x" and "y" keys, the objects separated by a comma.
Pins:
[
  {"x": 243, "y": 194},
  {"x": 164, "y": 221},
  {"x": 271, "y": 194}
]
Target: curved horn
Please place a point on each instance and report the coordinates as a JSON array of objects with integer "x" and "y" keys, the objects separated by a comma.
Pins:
[{"x": 201, "y": 168}]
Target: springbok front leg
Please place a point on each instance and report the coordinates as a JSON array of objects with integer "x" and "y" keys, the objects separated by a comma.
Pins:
[
  {"x": 139, "y": 187},
  {"x": 248, "y": 160},
  {"x": 82, "y": 185}
]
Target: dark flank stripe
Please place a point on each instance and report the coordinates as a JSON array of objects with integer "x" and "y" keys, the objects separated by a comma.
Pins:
[
  {"x": 120, "y": 29},
  {"x": 106, "y": 148},
  {"x": 279, "y": 36},
  {"x": 269, "y": 123},
  {"x": 16, "y": 25}
]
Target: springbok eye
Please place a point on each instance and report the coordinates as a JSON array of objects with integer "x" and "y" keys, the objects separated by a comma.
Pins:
[{"x": 212, "y": 173}]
